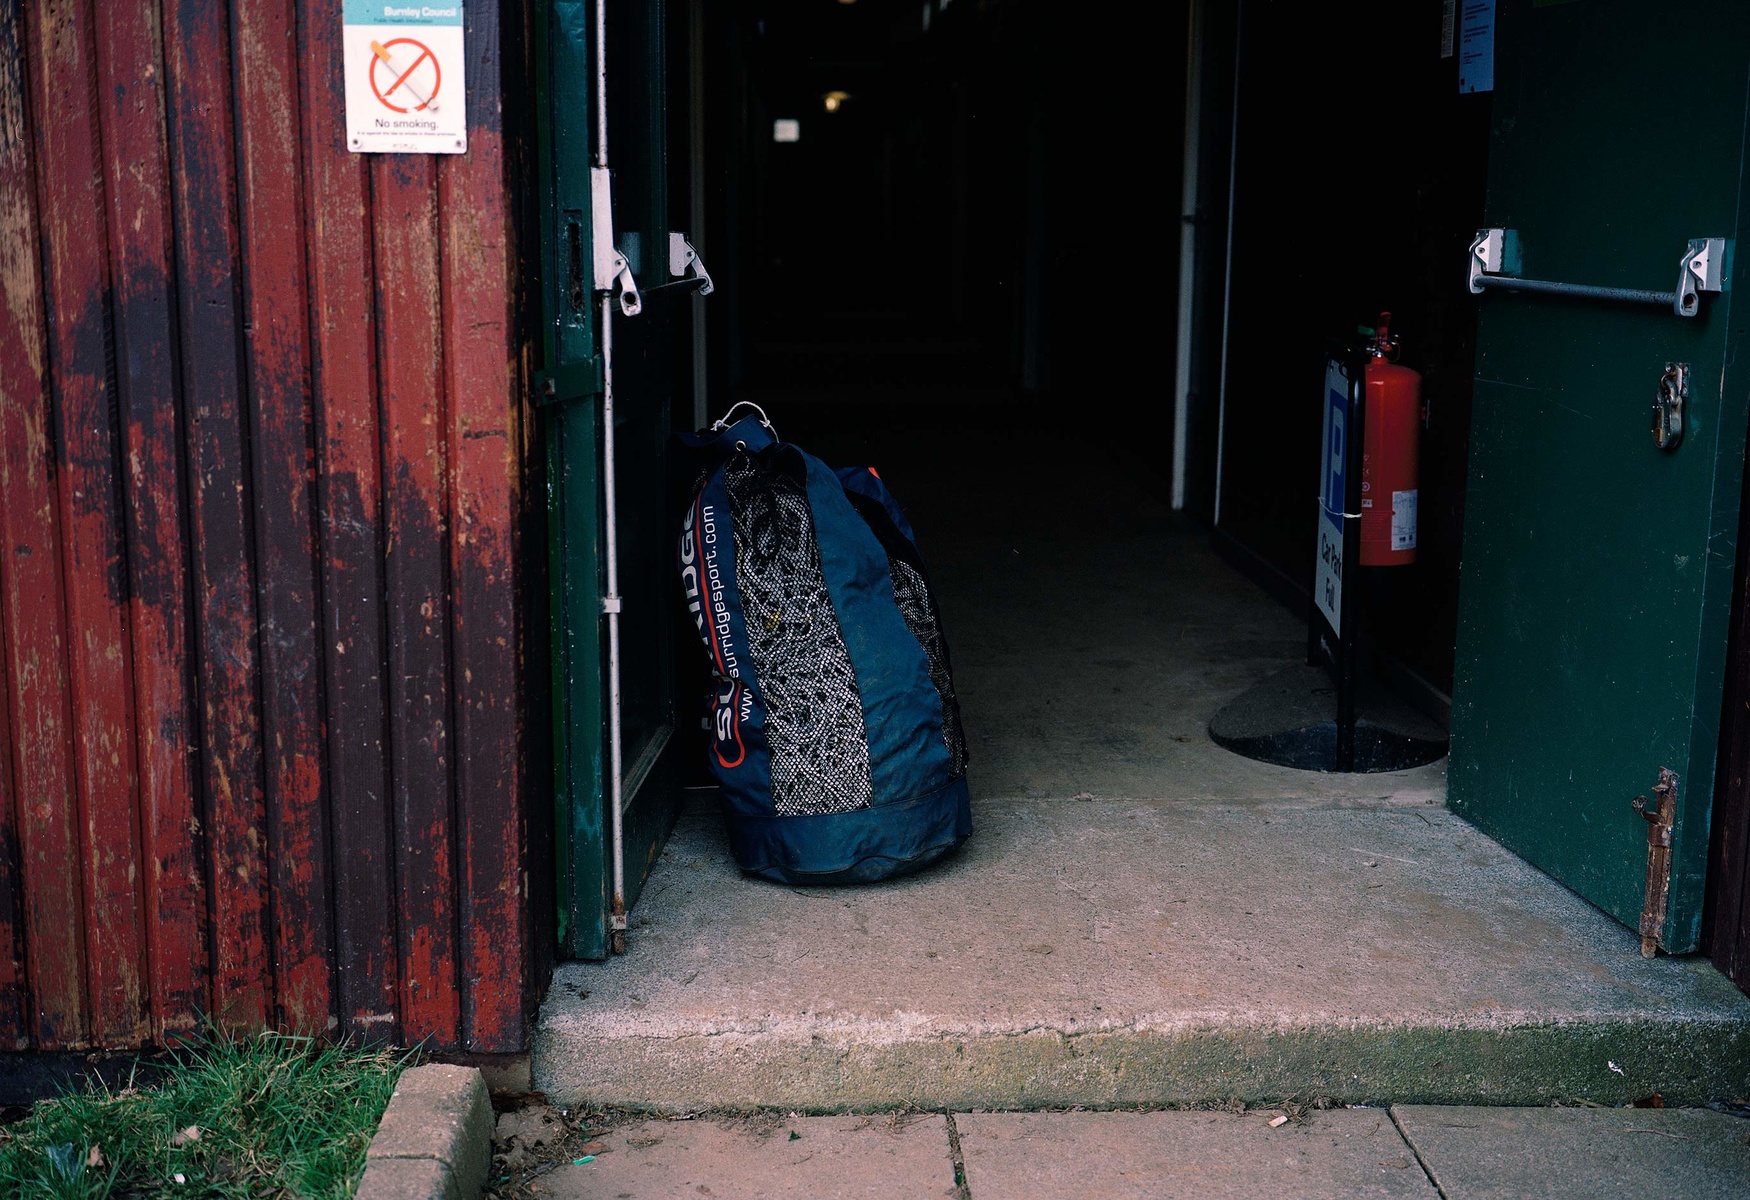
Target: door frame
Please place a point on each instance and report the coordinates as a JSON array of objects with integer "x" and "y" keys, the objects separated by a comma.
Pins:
[
  {"x": 1725, "y": 934},
  {"x": 566, "y": 386}
]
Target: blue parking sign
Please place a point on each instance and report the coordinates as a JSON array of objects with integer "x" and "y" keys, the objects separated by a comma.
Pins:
[{"x": 1333, "y": 490}]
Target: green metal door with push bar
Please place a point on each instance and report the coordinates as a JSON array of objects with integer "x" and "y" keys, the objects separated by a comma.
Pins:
[
  {"x": 1607, "y": 449},
  {"x": 613, "y": 349}
]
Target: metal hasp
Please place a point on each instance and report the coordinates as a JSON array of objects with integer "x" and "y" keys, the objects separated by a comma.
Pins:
[
  {"x": 684, "y": 263},
  {"x": 1660, "y": 814},
  {"x": 612, "y": 272},
  {"x": 1495, "y": 261},
  {"x": 1668, "y": 406}
]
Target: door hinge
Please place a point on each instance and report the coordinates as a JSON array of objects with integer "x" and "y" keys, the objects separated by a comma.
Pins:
[
  {"x": 568, "y": 381},
  {"x": 1660, "y": 814}
]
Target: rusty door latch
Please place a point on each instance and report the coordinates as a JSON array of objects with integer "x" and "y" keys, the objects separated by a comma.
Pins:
[
  {"x": 1660, "y": 814},
  {"x": 1668, "y": 406}
]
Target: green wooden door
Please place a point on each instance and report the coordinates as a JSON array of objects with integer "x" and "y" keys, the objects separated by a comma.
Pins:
[
  {"x": 590, "y": 345},
  {"x": 1597, "y": 567}
]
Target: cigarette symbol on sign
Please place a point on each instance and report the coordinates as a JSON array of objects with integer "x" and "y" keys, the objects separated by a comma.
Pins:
[{"x": 411, "y": 71}]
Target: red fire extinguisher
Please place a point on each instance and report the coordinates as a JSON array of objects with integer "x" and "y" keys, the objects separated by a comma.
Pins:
[{"x": 1392, "y": 414}]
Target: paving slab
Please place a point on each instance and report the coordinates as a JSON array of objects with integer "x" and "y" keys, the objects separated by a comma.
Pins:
[
  {"x": 797, "y": 1158},
  {"x": 1352, "y": 1155},
  {"x": 1580, "y": 1153}
]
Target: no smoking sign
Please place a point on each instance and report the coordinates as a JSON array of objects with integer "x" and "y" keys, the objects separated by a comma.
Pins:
[
  {"x": 404, "y": 78},
  {"x": 407, "y": 67}
]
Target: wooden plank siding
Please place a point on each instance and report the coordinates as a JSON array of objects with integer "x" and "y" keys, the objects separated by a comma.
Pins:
[{"x": 262, "y": 683}]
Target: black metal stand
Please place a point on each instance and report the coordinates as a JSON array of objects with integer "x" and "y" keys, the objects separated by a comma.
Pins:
[
  {"x": 1288, "y": 718},
  {"x": 1354, "y": 448}
]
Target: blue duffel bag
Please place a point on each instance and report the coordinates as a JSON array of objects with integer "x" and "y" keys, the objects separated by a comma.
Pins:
[{"x": 834, "y": 731}]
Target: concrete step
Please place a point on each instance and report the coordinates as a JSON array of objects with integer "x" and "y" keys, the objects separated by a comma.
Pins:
[
  {"x": 1209, "y": 927},
  {"x": 1114, "y": 952}
]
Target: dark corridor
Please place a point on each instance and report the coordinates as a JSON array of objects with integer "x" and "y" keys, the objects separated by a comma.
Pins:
[
  {"x": 985, "y": 203},
  {"x": 951, "y": 212}
]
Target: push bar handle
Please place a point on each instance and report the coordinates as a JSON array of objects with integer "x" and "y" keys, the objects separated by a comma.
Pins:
[
  {"x": 1495, "y": 258},
  {"x": 1581, "y": 291}
]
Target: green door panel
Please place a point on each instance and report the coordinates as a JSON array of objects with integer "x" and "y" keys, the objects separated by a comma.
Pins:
[
  {"x": 568, "y": 383},
  {"x": 1597, "y": 568},
  {"x": 568, "y": 386}
]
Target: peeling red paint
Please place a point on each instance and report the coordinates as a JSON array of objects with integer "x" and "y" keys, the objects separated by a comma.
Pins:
[
  {"x": 198, "y": 48},
  {"x": 404, "y": 189},
  {"x": 14, "y": 999},
  {"x": 69, "y": 176},
  {"x": 484, "y": 484},
  {"x": 276, "y": 304},
  {"x": 136, "y": 185},
  {"x": 261, "y": 684},
  {"x": 38, "y": 689},
  {"x": 349, "y": 487}
]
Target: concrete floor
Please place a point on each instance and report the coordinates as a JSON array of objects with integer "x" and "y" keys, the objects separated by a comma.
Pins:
[{"x": 1140, "y": 916}]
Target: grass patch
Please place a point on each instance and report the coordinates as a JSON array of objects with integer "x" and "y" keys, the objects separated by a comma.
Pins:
[{"x": 266, "y": 1117}]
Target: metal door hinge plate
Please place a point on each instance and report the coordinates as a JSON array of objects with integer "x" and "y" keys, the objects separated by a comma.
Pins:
[
  {"x": 1703, "y": 270},
  {"x": 1660, "y": 814},
  {"x": 612, "y": 272},
  {"x": 568, "y": 381},
  {"x": 1494, "y": 252},
  {"x": 684, "y": 263}
]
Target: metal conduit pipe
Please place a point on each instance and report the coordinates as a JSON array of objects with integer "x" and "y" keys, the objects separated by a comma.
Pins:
[{"x": 610, "y": 601}]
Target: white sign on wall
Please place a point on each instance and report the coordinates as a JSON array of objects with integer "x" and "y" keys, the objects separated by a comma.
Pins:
[
  {"x": 1476, "y": 47},
  {"x": 405, "y": 87}
]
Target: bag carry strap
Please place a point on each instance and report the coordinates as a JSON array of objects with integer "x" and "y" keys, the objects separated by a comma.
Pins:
[
  {"x": 718, "y": 441},
  {"x": 724, "y": 422}
]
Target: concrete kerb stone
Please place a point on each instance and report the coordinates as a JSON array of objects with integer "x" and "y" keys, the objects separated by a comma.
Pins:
[
  {"x": 409, "y": 1179},
  {"x": 435, "y": 1139}
]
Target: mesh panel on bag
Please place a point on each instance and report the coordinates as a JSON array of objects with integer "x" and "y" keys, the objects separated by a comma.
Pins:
[
  {"x": 814, "y": 714},
  {"x": 912, "y": 596}
]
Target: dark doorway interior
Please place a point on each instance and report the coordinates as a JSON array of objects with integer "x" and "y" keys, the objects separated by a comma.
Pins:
[
  {"x": 976, "y": 196},
  {"x": 985, "y": 203},
  {"x": 929, "y": 218},
  {"x": 1358, "y": 183}
]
